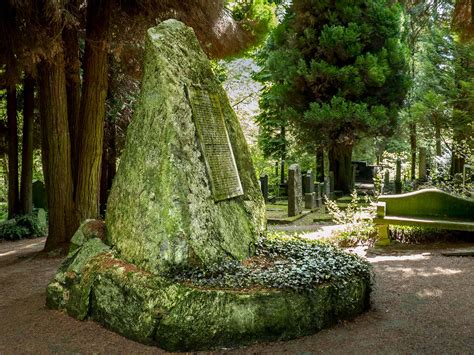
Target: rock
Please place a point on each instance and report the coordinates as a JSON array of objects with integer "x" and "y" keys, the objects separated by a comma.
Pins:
[
  {"x": 178, "y": 317},
  {"x": 186, "y": 192},
  {"x": 70, "y": 290},
  {"x": 88, "y": 230}
]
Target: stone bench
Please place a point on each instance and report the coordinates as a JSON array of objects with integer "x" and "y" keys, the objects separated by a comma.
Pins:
[{"x": 430, "y": 208}]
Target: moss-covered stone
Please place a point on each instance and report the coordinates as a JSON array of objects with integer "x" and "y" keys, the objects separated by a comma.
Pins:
[
  {"x": 162, "y": 213},
  {"x": 175, "y": 316},
  {"x": 89, "y": 229},
  {"x": 71, "y": 286},
  {"x": 161, "y": 209}
]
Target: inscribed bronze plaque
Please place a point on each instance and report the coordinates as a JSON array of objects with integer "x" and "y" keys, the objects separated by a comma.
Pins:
[{"x": 215, "y": 144}]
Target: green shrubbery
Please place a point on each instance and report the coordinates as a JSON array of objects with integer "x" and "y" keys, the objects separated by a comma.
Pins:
[
  {"x": 356, "y": 219},
  {"x": 28, "y": 226},
  {"x": 281, "y": 262},
  {"x": 417, "y": 235}
]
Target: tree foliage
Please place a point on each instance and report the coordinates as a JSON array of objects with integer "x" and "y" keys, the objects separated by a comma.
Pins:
[{"x": 335, "y": 71}]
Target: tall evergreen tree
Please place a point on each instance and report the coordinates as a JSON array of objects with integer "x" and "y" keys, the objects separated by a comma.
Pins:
[{"x": 338, "y": 69}]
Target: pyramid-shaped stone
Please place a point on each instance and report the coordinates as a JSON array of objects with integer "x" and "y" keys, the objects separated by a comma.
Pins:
[{"x": 185, "y": 192}]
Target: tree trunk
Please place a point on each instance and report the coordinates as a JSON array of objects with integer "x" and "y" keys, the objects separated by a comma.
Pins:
[
  {"x": 413, "y": 147},
  {"x": 320, "y": 165},
  {"x": 26, "y": 190},
  {"x": 438, "y": 139},
  {"x": 109, "y": 161},
  {"x": 73, "y": 87},
  {"x": 13, "y": 193},
  {"x": 457, "y": 164},
  {"x": 283, "y": 155},
  {"x": 340, "y": 157},
  {"x": 56, "y": 151},
  {"x": 94, "y": 92}
]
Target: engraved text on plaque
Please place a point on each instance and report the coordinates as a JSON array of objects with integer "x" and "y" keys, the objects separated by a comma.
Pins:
[{"x": 215, "y": 144}]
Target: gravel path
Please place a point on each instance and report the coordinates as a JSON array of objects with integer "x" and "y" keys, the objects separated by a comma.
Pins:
[{"x": 423, "y": 304}]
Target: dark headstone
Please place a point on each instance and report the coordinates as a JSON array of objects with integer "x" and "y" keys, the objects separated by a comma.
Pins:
[
  {"x": 40, "y": 197},
  {"x": 310, "y": 201},
  {"x": 308, "y": 184},
  {"x": 398, "y": 177},
  {"x": 295, "y": 197},
  {"x": 331, "y": 181},
  {"x": 264, "y": 186}
]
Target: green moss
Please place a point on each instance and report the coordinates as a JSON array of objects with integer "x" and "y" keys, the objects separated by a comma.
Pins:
[
  {"x": 161, "y": 210},
  {"x": 72, "y": 284},
  {"x": 182, "y": 317}
]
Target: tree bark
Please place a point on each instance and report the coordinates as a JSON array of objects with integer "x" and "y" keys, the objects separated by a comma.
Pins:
[
  {"x": 340, "y": 157},
  {"x": 438, "y": 139},
  {"x": 413, "y": 148},
  {"x": 109, "y": 161},
  {"x": 320, "y": 165},
  {"x": 13, "y": 193},
  {"x": 26, "y": 189},
  {"x": 56, "y": 149},
  {"x": 73, "y": 87},
  {"x": 94, "y": 92},
  {"x": 283, "y": 156}
]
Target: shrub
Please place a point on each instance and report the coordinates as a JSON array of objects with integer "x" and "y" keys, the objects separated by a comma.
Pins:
[
  {"x": 356, "y": 220},
  {"x": 281, "y": 262},
  {"x": 27, "y": 226}
]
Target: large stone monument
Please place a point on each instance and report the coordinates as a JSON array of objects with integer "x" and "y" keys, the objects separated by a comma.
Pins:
[
  {"x": 186, "y": 201},
  {"x": 186, "y": 191}
]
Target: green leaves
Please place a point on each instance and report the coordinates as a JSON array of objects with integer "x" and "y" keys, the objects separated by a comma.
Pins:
[
  {"x": 343, "y": 67},
  {"x": 281, "y": 262}
]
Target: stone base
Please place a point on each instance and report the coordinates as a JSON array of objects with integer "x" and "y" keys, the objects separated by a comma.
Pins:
[
  {"x": 310, "y": 201},
  {"x": 93, "y": 283}
]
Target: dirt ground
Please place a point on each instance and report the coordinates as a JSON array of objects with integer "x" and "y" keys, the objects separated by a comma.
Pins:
[{"x": 423, "y": 303}]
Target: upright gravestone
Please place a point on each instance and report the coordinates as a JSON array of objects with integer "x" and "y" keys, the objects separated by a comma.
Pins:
[
  {"x": 308, "y": 182},
  {"x": 327, "y": 187},
  {"x": 264, "y": 186},
  {"x": 295, "y": 198},
  {"x": 422, "y": 165},
  {"x": 40, "y": 198},
  {"x": 398, "y": 177},
  {"x": 386, "y": 181},
  {"x": 185, "y": 192},
  {"x": 331, "y": 184},
  {"x": 353, "y": 177},
  {"x": 317, "y": 191}
]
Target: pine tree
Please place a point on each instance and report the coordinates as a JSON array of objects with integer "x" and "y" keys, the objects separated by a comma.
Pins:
[{"x": 338, "y": 69}]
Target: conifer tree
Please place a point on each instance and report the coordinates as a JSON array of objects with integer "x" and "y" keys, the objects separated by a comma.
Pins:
[{"x": 337, "y": 71}]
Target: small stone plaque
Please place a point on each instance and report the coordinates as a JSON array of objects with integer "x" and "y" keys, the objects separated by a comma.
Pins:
[{"x": 215, "y": 144}]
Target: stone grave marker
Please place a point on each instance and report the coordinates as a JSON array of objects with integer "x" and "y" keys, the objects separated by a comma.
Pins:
[
  {"x": 264, "y": 186},
  {"x": 308, "y": 182},
  {"x": 310, "y": 201},
  {"x": 398, "y": 177},
  {"x": 40, "y": 197},
  {"x": 326, "y": 187},
  {"x": 186, "y": 191},
  {"x": 295, "y": 198},
  {"x": 331, "y": 185}
]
